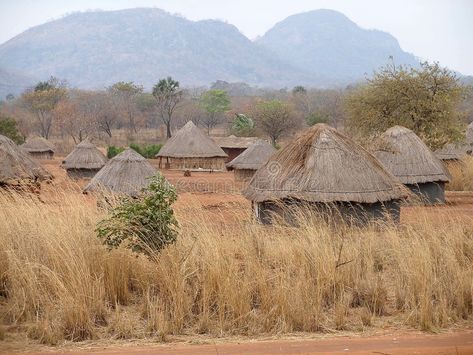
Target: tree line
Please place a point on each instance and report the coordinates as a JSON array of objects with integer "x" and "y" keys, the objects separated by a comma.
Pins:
[{"x": 429, "y": 100}]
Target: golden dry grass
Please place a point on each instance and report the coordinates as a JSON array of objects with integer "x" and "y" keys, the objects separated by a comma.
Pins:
[
  {"x": 462, "y": 174},
  {"x": 59, "y": 283}
]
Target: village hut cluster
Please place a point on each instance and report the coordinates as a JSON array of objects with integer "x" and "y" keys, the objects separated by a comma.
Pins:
[{"x": 322, "y": 170}]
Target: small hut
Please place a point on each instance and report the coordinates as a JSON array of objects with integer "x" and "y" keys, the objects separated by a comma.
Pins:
[
  {"x": 328, "y": 172},
  {"x": 246, "y": 164},
  {"x": 127, "y": 173},
  {"x": 233, "y": 146},
  {"x": 404, "y": 154},
  {"x": 84, "y": 161},
  {"x": 469, "y": 134},
  {"x": 190, "y": 149},
  {"x": 17, "y": 168},
  {"x": 39, "y": 148}
]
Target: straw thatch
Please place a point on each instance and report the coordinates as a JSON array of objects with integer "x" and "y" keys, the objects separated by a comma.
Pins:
[
  {"x": 190, "y": 148},
  {"x": 454, "y": 151},
  {"x": 17, "y": 167},
  {"x": 253, "y": 157},
  {"x": 39, "y": 147},
  {"x": 407, "y": 157},
  {"x": 126, "y": 173},
  {"x": 235, "y": 142},
  {"x": 84, "y": 161},
  {"x": 322, "y": 165}
]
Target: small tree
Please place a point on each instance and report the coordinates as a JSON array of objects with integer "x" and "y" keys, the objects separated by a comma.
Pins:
[
  {"x": 8, "y": 128},
  {"x": 243, "y": 125},
  {"x": 273, "y": 118},
  {"x": 42, "y": 100},
  {"x": 167, "y": 95},
  {"x": 214, "y": 103},
  {"x": 424, "y": 99},
  {"x": 125, "y": 94},
  {"x": 145, "y": 224}
]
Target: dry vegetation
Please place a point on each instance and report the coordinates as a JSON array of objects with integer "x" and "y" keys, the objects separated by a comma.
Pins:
[
  {"x": 462, "y": 174},
  {"x": 57, "y": 282}
]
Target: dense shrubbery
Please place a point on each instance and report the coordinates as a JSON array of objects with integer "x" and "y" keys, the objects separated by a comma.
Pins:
[
  {"x": 8, "y": 129},
  {"x": 147, "y": 151}
]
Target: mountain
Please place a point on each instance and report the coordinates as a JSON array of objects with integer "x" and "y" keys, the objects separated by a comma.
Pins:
[
  {"x": 326, "y": 41},
  {"x": 14, "y": 83},
  {"x": 96, "y": 49}
]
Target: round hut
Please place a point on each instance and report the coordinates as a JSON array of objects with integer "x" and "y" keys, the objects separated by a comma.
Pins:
[
  {"x": 329, "y": 173},
  {"x": 126, "y": 173},
  {"x": 454, "y": 152},
  {"x": 39, "y": 148},
  {"x": 407, "y": 157},
  {"x": 246, "y": 164},
  {"x": 190, "y": 149},
  {"x": 17, "y": 169},
  {"x": 84, "y": 161}
]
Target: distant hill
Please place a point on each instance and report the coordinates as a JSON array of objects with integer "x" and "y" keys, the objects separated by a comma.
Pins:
[
  {"x": 96, "y": 49},
  {"x": 14, "y": 83},
  {"x": 326, "y": 41}
]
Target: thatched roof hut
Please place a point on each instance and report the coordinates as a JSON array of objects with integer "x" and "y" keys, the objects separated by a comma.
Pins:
[
  {"x": 469, "y": 134},
  {"x": 39, "y": 148},
  {"x": 84, "y": 161},
  {"x": 233, "y": 146},
  {"x": 407, "y": 157},
  {"x": 246, "y": 164},
  {"x": 323, "y": 167},
  {"x": 127, "y": 173},
  {"x": 189, "y": 149},
  {"x": 16, "y": 166}
]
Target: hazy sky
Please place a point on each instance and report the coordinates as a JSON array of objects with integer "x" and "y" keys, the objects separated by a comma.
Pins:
[{"x": 440, "y": 30}]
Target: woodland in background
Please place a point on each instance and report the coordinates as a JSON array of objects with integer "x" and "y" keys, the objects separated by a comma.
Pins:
[{"x": 430, "y": 100}]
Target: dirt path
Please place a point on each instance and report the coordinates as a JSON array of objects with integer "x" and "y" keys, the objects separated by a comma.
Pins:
[{"x": 448, "y": 343}]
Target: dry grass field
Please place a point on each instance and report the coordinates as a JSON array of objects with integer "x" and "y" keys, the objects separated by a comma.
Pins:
[{"x": 226, "y": 275}]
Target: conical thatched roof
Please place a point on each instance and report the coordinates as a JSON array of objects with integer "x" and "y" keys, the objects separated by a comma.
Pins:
[
  {"x": 38, "y": 145},
  {"x": 253, "y": 157},
  {"x": 85, "y": 156},
  {"x": 126, "y": 173},
  {"x": 16, "y": 166},
  {"x": 190, "y": 142},
  {"x": 322, "y": 165},
  {"x": 405, "y": 156}
]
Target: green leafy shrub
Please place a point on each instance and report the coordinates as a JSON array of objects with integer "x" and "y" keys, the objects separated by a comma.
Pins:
[
  {"x": 243, "y": 125},
  {"x": 8, "y": 129},
  {"x": 144, "y": 224},
  {"x": 112, "y": 151},
  {"x": 314, "y": 118},
  {"x": 147, "y": 151}
]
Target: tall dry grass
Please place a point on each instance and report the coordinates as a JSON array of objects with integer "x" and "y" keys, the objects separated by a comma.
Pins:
[
  {"x": 462, "y": 174},
  {"x": 58, "y": 282}
]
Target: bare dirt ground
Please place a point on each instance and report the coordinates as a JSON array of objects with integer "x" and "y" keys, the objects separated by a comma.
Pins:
[{"x": 460, "y": 342}]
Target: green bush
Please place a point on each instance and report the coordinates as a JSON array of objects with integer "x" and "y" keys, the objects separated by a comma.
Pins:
[
  {"x": 112, "y": 151},
  {"x": 144, "y": 224},
  {"x": 8, "y": 129},
  {"x": 148, "y": 151},
  {"x": 314, "y": 118}
]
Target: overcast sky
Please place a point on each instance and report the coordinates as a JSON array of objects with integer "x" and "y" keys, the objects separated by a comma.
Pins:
[{"x": 437, "y": 30}]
